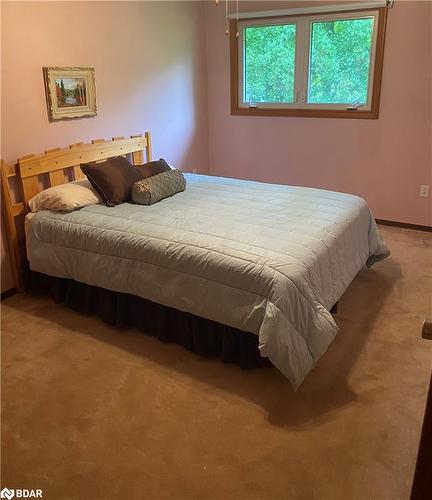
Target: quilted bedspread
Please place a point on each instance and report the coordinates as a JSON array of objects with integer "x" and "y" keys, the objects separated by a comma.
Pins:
[{"x": 263, "y": 258}]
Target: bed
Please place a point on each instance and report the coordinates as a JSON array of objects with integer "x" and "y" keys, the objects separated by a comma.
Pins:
[{"x": 266, "y": 259}]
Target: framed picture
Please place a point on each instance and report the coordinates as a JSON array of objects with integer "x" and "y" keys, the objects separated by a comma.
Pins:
[{"x": 70, "y": 92}]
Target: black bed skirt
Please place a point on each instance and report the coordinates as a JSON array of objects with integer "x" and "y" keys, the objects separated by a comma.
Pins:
[{"x": 199, "y": 335}]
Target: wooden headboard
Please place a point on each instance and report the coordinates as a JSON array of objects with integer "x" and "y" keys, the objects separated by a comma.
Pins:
[{"x": 34, "y": 173}]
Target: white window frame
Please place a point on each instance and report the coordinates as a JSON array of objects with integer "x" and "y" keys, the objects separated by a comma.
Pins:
[{"x": 302, "y": 63}]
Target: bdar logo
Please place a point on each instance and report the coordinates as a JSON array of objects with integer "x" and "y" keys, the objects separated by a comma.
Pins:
[{"x": 7, "y": 493}]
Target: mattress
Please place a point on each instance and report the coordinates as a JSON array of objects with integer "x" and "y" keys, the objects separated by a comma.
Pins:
[{"x": 263, "y": 258}]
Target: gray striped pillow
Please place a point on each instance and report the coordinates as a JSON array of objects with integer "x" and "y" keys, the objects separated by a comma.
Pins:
[{"x": 156, "y": 188}]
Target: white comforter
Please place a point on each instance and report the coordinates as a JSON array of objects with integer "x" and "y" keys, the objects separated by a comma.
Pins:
[{"x": 263, "y": 258}]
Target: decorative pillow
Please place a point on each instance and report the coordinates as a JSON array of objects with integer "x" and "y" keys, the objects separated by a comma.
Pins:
[
  {"x": 112, "y": 179},
  {"x": 156, "y": 188},
  {"x": 153, "y": 168},
  {"x": 65, "y": 197}
]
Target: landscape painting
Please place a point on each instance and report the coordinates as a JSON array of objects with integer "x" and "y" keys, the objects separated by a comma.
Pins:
[{"x": 70, "y": 92}]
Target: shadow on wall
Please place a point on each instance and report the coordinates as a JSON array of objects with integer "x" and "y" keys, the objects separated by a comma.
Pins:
[
  {"x": 325, "y": 390},
  {"x": 181, "y": 138}
]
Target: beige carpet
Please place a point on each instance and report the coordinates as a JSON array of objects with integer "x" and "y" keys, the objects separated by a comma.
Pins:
[{"x": 92, "y": 412}]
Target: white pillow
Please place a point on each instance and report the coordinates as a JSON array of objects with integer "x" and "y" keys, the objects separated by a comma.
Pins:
[{"x": 65, "y": 197}]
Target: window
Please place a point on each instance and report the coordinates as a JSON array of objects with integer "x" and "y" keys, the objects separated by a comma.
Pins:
[
  {"x": 269, "y": 64},
  {"x": 325, "y": 65}
]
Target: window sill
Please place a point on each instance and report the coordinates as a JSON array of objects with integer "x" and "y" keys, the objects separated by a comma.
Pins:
[{"x": 307, "y": 113}]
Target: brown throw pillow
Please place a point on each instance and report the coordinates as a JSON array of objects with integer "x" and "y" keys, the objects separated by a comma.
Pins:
[
  {"x": 153, "y": 168},
  {"x": 112, "y": 179}
]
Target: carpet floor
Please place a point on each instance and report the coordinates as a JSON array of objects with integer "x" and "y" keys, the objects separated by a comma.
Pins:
[{"x": 93, "y": 412}]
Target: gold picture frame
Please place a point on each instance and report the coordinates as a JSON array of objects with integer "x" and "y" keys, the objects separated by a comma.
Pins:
[{"x": 70, "y": 92}]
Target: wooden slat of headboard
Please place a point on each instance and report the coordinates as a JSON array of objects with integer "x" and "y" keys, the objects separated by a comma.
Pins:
[
  {"x": 10, "y": 212},
  {"x": 80, "y": 154},
  {"x": 78, "y": 173},
  {"x": 149, "y": 152},
  {"x": 31, "y": 187},
  {"x": 58, "y": 176},
  {"x": 137, "y": 156},
  {"x": 9, "y": 170},
  {"x": 18, "y": 209}
]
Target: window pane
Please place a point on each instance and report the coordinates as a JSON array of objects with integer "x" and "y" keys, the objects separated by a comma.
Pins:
[
  {"x": 269, "y": 63},
  {"x": 339, "y": 61}
]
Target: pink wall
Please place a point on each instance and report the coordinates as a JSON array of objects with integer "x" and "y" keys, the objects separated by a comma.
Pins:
[
  {"x": 150, "y": 74},
  {"x": 383, "y": 160}
]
